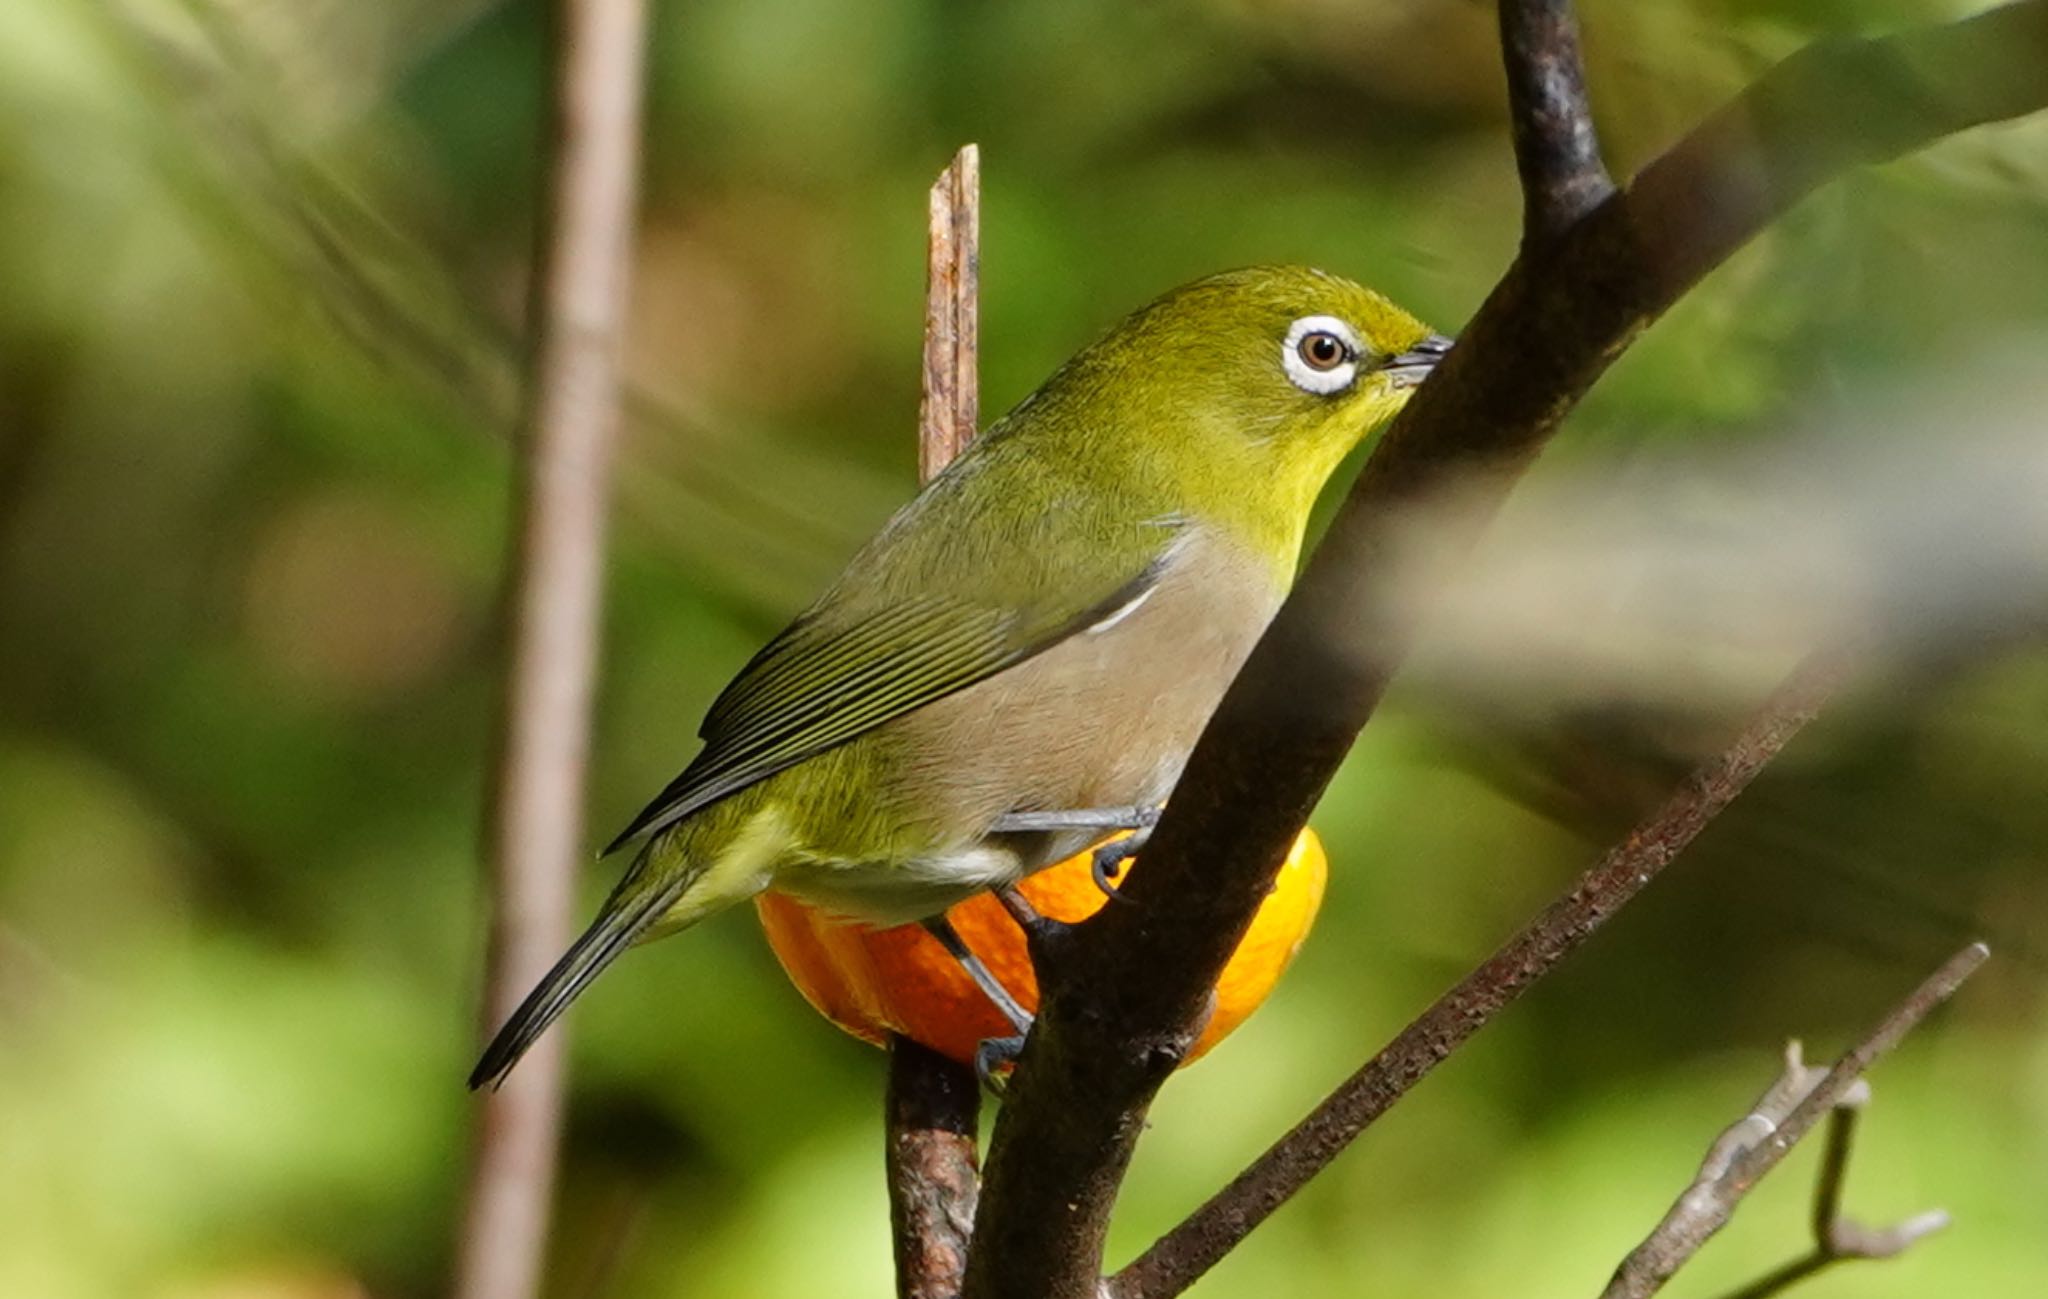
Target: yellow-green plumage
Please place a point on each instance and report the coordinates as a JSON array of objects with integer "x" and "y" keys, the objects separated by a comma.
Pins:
[{"x": 1046, "y": 627}]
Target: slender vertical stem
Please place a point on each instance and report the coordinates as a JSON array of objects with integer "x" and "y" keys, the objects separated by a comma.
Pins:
[
  {"x": 934, "y": 1105},
  {"x": 949, "y": 411},
  {"x": 933, "y": 1112},
  {"x": 554, "y": 583},
  {"x": 1834, "y": 1170}
]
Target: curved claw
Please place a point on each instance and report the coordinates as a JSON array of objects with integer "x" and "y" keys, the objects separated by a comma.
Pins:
[
  {"x": 1109, "y": 860},
  {"x": 1107, "y": 863},
  {"x": 994, "y": 1055}
]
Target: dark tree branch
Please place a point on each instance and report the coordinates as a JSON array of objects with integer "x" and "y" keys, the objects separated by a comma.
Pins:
[
  {"x": 1116, "y": 1017},
  {"x": 1752, "y": 1148},
  {"x": 555, "y": 578},
  {"x": 1180, "y": 1257},
  {"x": 1556, "y": 149},
  {"x": 934, "y": 1105}
]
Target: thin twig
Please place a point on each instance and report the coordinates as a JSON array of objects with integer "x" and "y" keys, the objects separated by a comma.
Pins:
[
  {"x": 1837, "y": 1238},
  {"x": 1556, "y": 149},
  {"x": 1752, "y": 1148},
  {"x": 554, "y": 582},
  {"x": 1181, "y": 1256},
  {"x": 1116, "y": 1016},
  {"x": 934, "y": 1105}
]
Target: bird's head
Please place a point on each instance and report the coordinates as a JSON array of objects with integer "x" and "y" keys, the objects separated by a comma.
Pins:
[{"x": 1251, "y": 384}]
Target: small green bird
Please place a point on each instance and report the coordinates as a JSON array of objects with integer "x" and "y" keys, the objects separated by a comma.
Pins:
[{"x": 1022, "y": 659}]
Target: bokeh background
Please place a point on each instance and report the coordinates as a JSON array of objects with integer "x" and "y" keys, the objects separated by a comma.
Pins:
[{"x": 263, "y": 266}]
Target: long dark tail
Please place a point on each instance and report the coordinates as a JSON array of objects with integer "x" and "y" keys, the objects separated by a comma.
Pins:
[{"x": 623, "y": 919}]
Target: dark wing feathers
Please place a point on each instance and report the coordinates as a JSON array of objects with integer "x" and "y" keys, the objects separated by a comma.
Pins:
[
  {"x": 806, "y": 653},
  {"x": 813, "y": 688}
]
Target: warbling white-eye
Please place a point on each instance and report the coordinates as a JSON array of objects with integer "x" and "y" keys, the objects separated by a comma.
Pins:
[{"x": 1022, "y": 658}]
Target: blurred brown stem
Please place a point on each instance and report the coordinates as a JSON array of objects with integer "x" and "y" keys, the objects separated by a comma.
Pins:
[
  {"x": 1748, "y": 1151},
  {"x": 554, "y": 583},
  {"x": 934, "y": 1105},
  {"x": 1115, "y": 1019}
]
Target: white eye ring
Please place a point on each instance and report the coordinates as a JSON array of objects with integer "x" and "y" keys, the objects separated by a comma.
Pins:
[{"x": 1307, "y": 377}]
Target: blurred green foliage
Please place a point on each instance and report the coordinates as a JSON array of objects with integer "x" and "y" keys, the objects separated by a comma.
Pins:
[{"x": 263, "y": 264}]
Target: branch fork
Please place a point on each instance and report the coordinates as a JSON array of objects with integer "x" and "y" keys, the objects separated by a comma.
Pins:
[{"x": 1757, "y": 1143}]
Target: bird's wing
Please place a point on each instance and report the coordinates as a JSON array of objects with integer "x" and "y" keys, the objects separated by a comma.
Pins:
[{"x": 836, "y": 673}]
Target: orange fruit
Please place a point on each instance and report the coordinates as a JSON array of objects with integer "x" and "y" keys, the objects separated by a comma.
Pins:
[{"x": 874, "y": 982}]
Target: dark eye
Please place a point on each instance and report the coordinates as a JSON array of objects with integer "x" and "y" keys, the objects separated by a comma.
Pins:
[{"x": 1321, "y": 350}]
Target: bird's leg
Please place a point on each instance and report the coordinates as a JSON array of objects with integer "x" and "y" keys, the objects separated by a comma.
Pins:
[
  {"x": 1044, "y": 936},
  {"x": 949, "y": 938},
  {"x": 1046, "y": 940},
  {"x": 1127, "y": 817},
  {"x": 995, "y": 1052},
  {"x": 1110, "y": 857}
]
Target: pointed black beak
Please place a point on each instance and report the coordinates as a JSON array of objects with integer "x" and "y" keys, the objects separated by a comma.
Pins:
[{"x": 1413, "y": 366}]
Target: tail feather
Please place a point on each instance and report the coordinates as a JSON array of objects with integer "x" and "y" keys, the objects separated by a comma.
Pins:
[{"x": 617, "y": 925}]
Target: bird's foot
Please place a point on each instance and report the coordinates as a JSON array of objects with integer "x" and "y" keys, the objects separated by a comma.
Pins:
[
  {"x": 1109, "y": 861},
  {"x": 993, "y": 1060}
]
